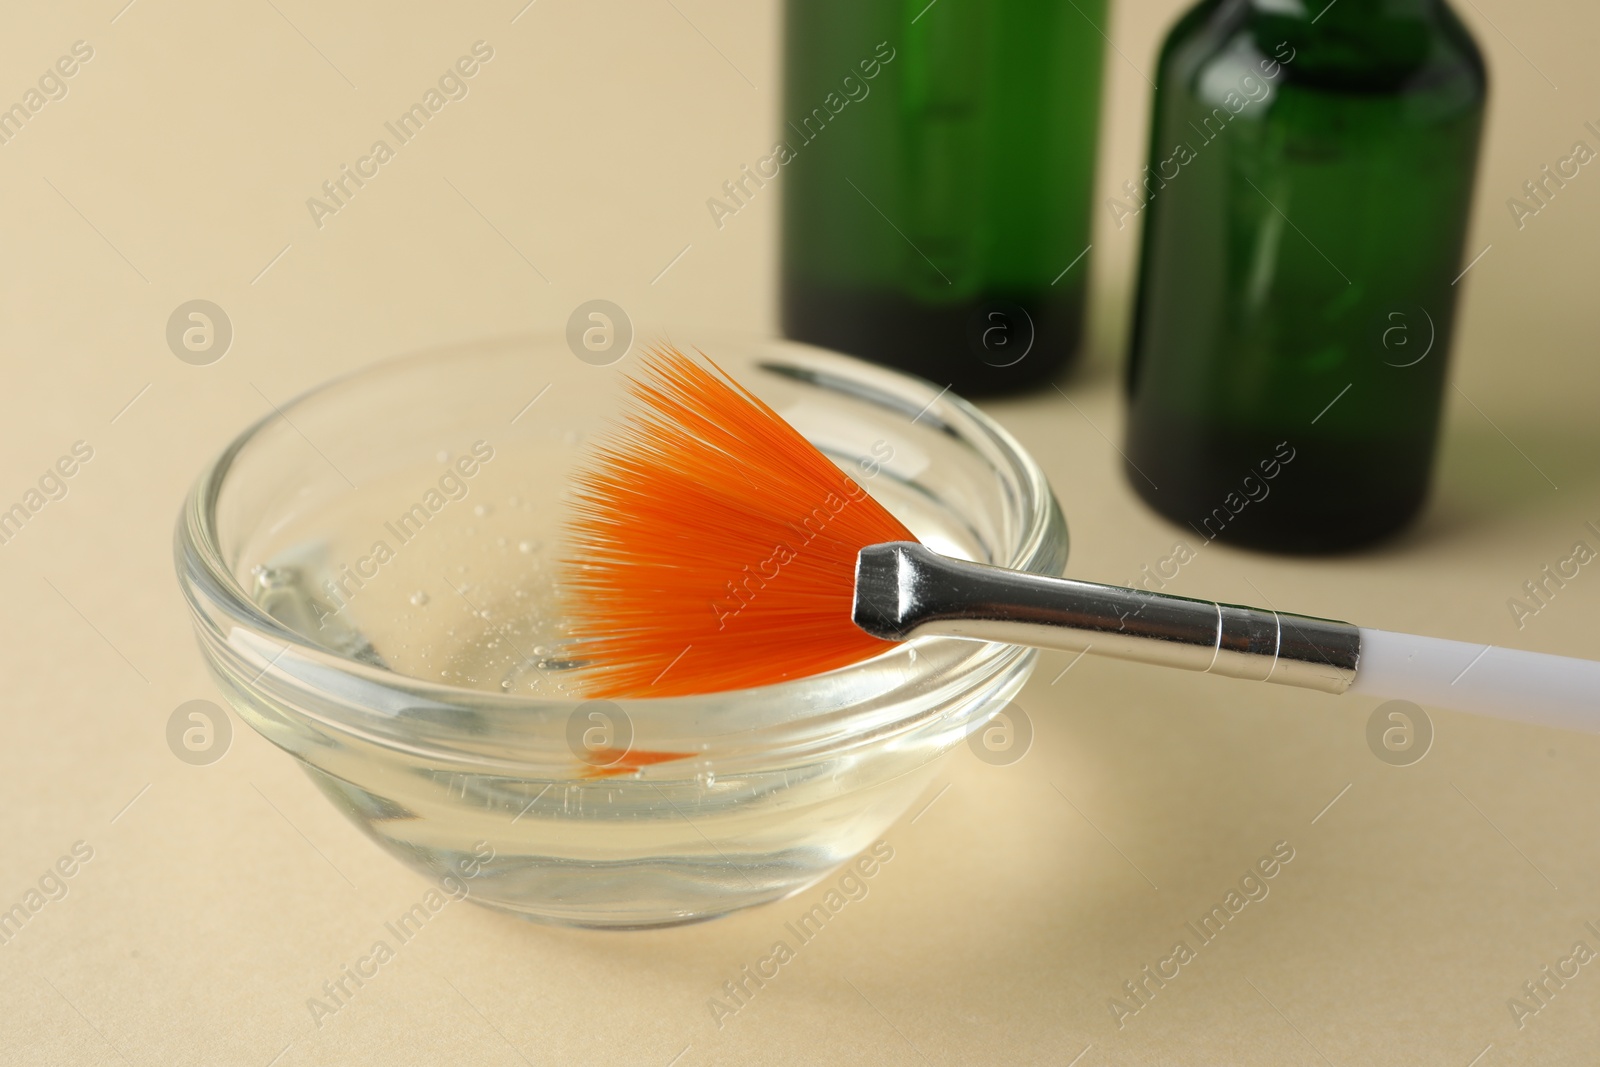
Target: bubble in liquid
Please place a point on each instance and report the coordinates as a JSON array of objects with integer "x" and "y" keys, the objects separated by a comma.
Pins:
[
  {"x": 274, "y": 577},
  {"x": 526, "y": 547},
  {"x": 419, "y": 598},
  {"x": 442, "y": 456},
  {"x": 481, "y": 510}
]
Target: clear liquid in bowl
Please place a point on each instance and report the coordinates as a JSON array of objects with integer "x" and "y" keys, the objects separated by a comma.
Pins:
[{"x": 470, "y": 596}]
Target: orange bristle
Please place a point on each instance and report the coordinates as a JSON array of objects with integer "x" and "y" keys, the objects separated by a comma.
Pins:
[{"x": 715, "y": 547}]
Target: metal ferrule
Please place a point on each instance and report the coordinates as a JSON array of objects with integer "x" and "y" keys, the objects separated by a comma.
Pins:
[{"x": 904, "y": 590}]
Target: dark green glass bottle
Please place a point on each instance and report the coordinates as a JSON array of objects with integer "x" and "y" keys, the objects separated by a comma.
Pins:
[
  {"x": 936, "y": 190},
  {"x": 1304, "y": 209}
]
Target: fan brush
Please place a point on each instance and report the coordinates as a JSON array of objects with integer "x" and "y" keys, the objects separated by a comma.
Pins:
[{"x": 716, "y": 548}]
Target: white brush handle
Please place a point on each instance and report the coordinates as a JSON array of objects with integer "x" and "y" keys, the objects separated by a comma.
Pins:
[{"x": 1504, "y": 682}]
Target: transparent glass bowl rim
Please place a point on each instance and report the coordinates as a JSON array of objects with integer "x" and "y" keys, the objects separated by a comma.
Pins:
[{"x": 212, "y": 590}]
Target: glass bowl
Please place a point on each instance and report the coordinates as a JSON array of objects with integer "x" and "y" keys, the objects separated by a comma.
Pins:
[{"x": 373, "y": 572}]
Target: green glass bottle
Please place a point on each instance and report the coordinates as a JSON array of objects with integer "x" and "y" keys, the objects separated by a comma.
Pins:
[
  {"x": 938, "y": 164},
  {"x": 1304, "y": 210}
]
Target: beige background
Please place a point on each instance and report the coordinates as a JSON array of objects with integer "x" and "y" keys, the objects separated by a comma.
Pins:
[{"x": 178, "y": 167}]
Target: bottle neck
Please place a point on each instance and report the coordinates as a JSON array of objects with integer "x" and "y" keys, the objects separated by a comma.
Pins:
[{"x": 1378, "y": 43}]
